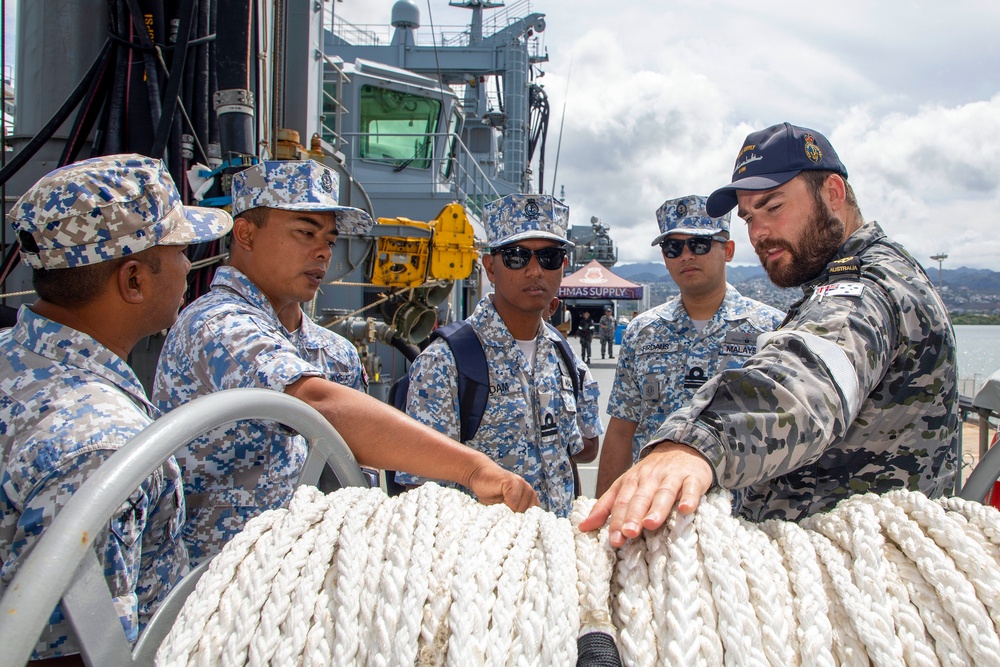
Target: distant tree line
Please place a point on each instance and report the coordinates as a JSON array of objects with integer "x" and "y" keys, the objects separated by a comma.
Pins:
[{"x": 974, "y": 318}]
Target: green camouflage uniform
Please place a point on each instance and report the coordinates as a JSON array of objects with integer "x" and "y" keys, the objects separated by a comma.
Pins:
[{"x": 855, "y": 393}]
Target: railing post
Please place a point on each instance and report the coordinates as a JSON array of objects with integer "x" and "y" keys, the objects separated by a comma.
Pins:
[{"x": 984, "y": 431}]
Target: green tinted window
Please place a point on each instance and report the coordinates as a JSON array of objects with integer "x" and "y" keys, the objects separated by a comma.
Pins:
[{"x": 398, "y": 127}]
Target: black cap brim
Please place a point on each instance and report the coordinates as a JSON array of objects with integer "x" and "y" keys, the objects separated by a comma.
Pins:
[{"x": 724, "y": 200}]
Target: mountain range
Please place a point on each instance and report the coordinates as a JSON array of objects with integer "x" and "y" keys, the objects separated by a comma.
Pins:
[
  {"x": 965, "y": 290},
  {"x": 975, "y": 280}
]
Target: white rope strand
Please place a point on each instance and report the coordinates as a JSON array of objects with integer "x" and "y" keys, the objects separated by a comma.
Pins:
[
  {"x": 433, "y": 578},
  {"x": 770, "y": 596},
  {"x": 810, "y": 604}
]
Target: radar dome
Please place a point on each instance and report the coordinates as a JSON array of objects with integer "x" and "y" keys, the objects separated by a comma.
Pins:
[{"x": 405, "y": 14}]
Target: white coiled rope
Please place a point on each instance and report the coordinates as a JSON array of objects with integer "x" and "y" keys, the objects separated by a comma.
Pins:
[{"x": 433, "y": 578}]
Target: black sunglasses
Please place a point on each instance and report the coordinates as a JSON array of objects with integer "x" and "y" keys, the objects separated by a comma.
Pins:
[
  {"x": 699, "y": 245},
  {"x": 517, "y": 257}
]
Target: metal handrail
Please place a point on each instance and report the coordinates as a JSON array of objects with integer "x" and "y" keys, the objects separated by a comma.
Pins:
[
  {"x": 340, "y": 78},
  {"x": 53, "y": 568},
  {"x": 470, "y": 183},
  {"x": 446, "y": 35},
  {"x": 983, "y": 476}
]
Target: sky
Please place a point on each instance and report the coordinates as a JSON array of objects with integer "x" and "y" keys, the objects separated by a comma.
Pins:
[{"x": 658, "y": 97}]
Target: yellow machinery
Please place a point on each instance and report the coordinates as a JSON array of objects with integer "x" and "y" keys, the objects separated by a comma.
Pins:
[
  {"x": 448, "y": 253},
  {"x": 436, "y": 252}
]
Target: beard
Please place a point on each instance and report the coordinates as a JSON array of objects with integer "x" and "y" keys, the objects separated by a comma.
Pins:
[{"x": 805, "y": 259}]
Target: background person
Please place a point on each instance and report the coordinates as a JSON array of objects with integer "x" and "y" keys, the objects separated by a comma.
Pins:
[
  {"x": 607, "y": 333},
  {"x": 854, "y": 393},
  {"x": 668, "y": 352},
  {"x": 530, "y": 425},
  {"x": 585, "y": 329},
  {"x": 247, "y": 332},
  {"x": 105, "y": 239}
]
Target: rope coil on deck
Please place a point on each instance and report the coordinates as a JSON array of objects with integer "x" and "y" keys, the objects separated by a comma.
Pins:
[{"x": 433, "y": 578}]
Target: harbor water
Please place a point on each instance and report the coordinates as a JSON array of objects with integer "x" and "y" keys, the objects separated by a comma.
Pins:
[{"x": 978, "y": 355}]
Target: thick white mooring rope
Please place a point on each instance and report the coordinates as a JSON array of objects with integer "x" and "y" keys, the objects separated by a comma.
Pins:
[{"x": 433, "y": 578}]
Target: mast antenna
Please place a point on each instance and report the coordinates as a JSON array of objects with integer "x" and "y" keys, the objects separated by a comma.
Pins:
[{"x": 562, "y": 121}]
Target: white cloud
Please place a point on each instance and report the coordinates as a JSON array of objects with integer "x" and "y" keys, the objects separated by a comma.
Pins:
[{"x": 661, "y": 94}]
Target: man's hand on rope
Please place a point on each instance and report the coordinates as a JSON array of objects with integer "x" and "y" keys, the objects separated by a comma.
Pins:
[
  {"x": 644, "y": 495},
  {"x": 492, "y": 484}
]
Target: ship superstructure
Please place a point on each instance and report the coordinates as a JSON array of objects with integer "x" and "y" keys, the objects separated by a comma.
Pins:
[{"x": 415, "y": 117}]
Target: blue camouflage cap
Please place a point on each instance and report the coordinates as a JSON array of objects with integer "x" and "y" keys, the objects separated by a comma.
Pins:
[
  {"x": 772, "y": 157},
  {"x": 517, "y": 217},
  {"x": 107, "y": 207},
  {"x": 296, "y": 185},
  {"x": 687, "y": 215}
]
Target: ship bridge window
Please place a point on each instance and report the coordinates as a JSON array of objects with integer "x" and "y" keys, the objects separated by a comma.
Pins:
[{"x": 397, "y": 127}]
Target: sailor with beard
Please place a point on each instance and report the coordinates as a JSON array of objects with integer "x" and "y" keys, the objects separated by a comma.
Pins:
[{"x": 854, "y": 393}]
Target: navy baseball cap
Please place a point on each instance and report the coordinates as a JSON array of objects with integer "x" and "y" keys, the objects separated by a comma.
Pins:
[{"x": 772, "y": 157}]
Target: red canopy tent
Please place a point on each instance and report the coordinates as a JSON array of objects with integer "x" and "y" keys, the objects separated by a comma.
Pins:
[{"x": 596, "y": 281}]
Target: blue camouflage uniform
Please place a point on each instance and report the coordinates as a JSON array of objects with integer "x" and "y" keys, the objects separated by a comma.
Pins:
[
  {"x": 232, "y": 338},
  {"x": 530, "y": 425},
  {"x": 67, "y": 403},
  {"x": 606, "y": 331},
  {"x": 226, "y": 339},
  {"x": 855, "y": 393},
  {"x": 588, "y": 408},
  {"x": 663, "y": 359}
]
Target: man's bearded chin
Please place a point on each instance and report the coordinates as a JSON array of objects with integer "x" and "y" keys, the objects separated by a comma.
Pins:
[{"x": 806, "y": 259}]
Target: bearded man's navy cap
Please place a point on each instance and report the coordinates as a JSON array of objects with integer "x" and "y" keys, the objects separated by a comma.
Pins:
[{"x": 772, "y": 157}]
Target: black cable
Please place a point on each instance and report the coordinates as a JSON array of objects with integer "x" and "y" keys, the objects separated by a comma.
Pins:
[
  {"x": 110, "y": 81},
  {"x": 58, "y": 118},
  {"x": 409, "y": 350},
  {"x": 163, "y": 48},
  {"x": 213, "y": 75},
  {"x": 10, "y": 260},
  {"x": 200, "y": 100},
  {"x": 538, "y": 128},
  {"x": 176, "y": 76},
  {"x": 114, "y": 128},
  {"x": 43, "y": 136},
  {"x": 91, "y": 106},
  {"x": 149, "y": 57}
]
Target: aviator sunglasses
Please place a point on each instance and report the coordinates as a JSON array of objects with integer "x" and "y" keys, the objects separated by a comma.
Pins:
[
  {"x": 517, "y": 257},
  {"x": 699, "y": 245}
]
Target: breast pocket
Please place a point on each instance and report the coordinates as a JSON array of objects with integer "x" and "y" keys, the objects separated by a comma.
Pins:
[
  {"x": 130, "y": 520},
  {"x": 737, "y": 347},
  {"x": 124, "y": 547},
  {"x": 667, "y": 384},
  {"x": 501, "y": 433},
  {"x": 567, "y": 395}
]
